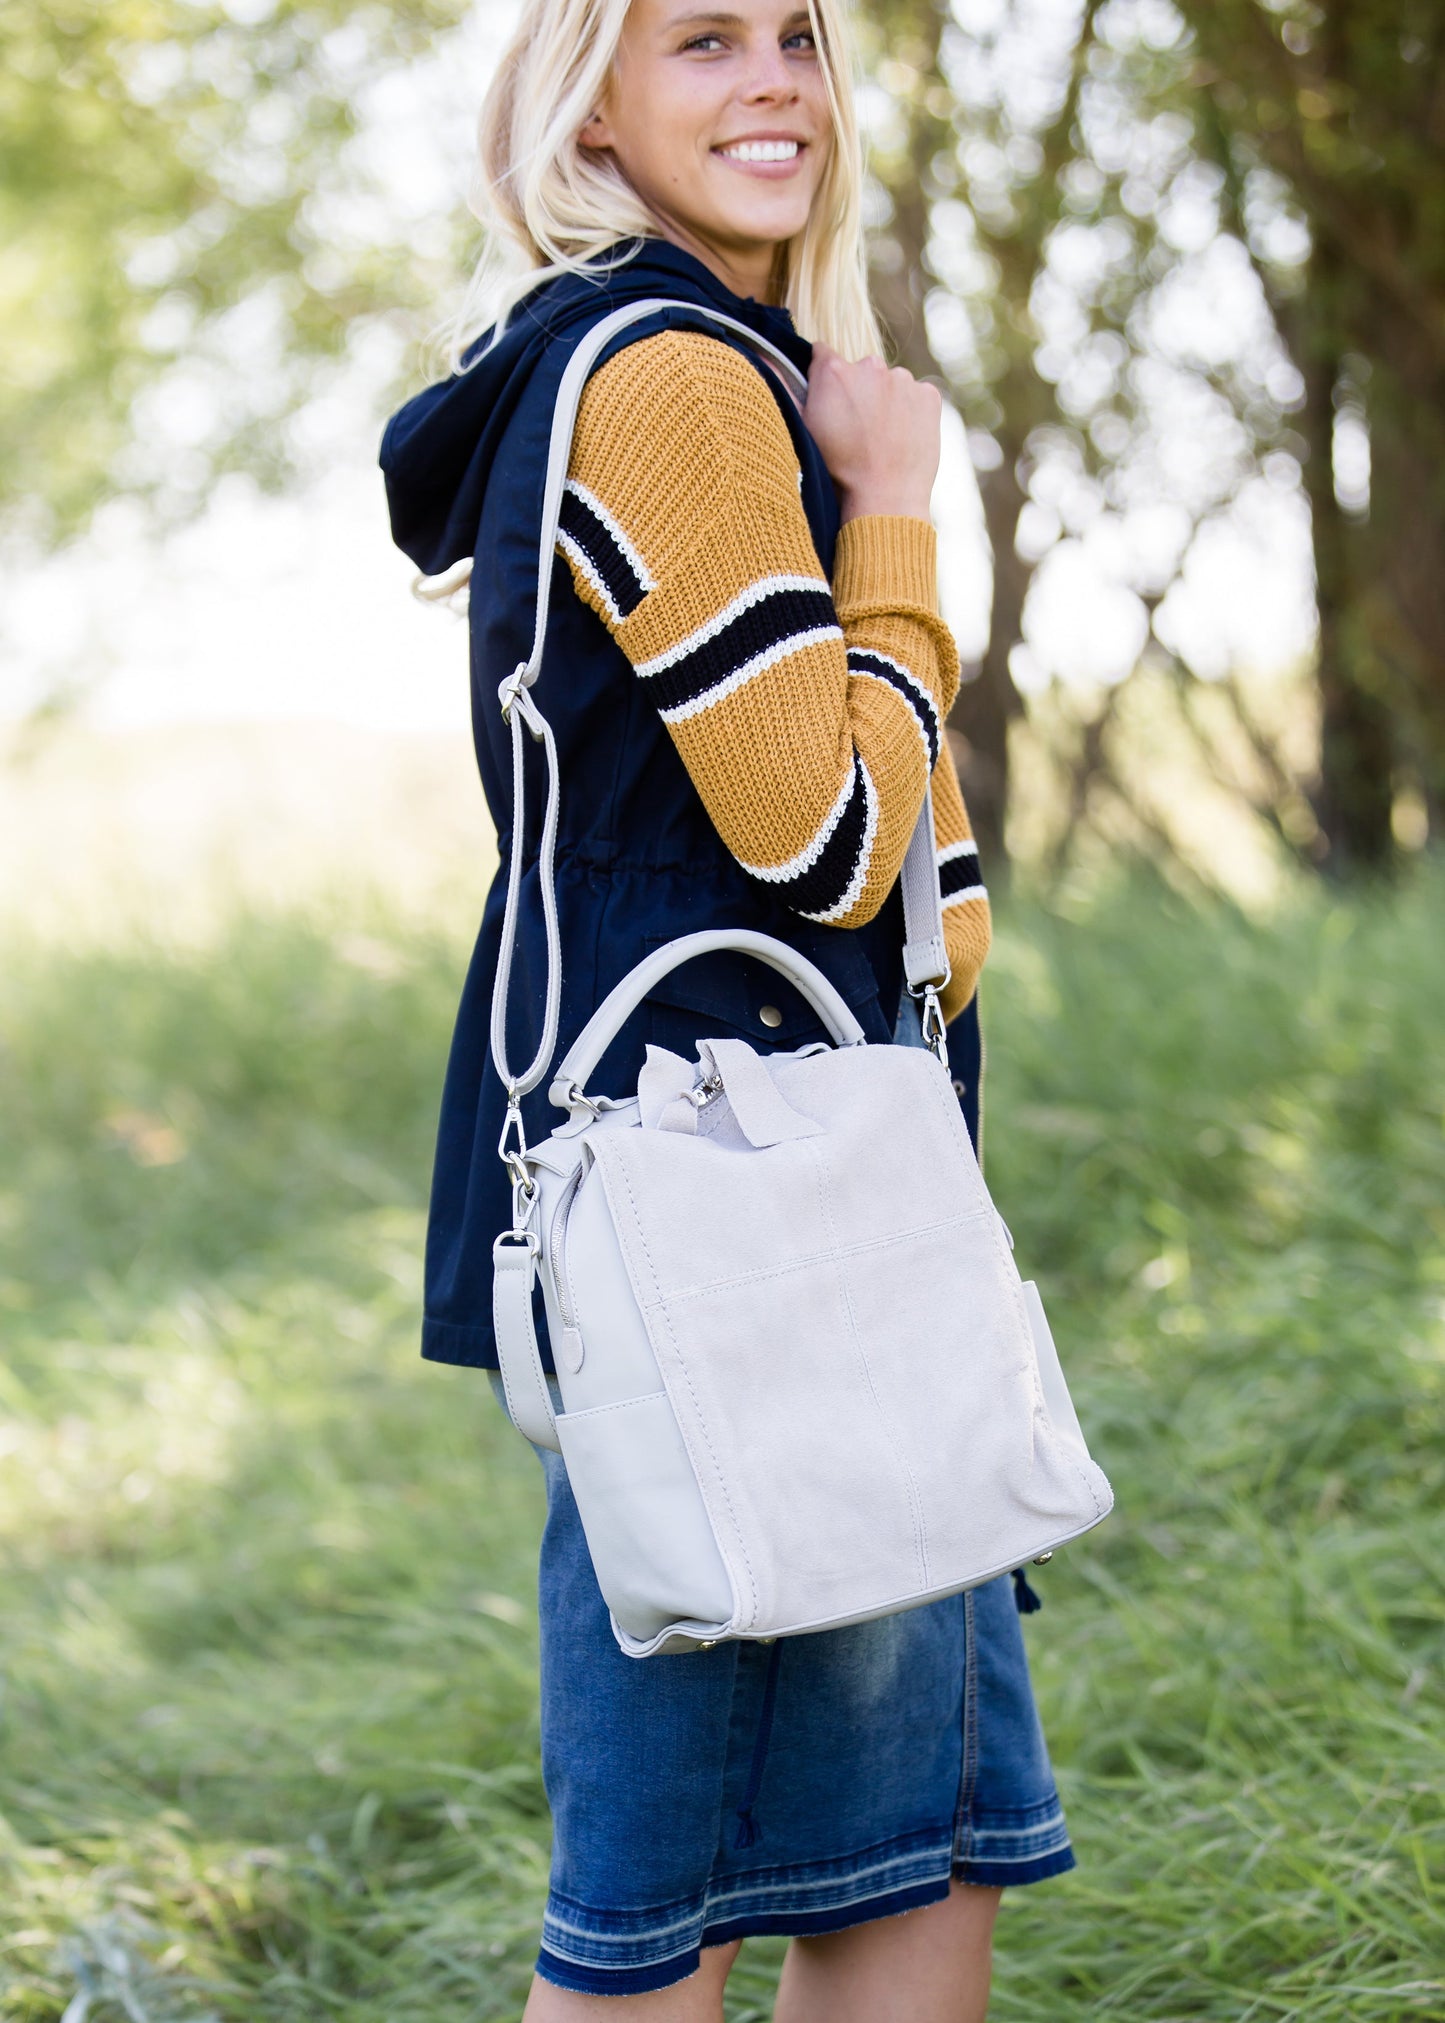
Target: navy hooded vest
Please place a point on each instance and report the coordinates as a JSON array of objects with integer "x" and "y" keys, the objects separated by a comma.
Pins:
[{"x": 638, "y": 860}]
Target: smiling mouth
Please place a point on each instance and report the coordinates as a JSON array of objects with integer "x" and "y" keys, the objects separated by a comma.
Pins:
[{"x": 759, "y": 151}]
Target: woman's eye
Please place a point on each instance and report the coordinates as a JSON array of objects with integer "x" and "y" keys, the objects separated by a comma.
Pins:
[
  {"x": 803, "y": 35},
  {"x": 697, "y": 41}
]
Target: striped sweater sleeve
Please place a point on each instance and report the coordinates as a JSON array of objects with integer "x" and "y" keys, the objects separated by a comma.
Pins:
[{"x": 808, "y": 715}]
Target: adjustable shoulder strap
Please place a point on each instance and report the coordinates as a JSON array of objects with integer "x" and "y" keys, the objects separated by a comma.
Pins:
[
  {"x": 518, "y": 709},
  {"x": 564, "y": 421},
  {"x": 925, "y": 961},
  {"x": 925, "y": 957}
]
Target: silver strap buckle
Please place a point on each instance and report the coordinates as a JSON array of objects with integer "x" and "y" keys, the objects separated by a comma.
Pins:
[{"x": 510, "y": 690}]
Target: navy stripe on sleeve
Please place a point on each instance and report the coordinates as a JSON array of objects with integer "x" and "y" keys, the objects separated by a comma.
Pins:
[
  {"x": 826, "y": 877},
  {"x": 883, "y": 667},
  {"x": 589, "y": 535},
  {"x": 958, "y": 873},
  {"x": 771, "y": 619}
]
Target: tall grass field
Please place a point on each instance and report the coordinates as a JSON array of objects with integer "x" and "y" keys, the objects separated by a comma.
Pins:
[{"x": 268, "y": 1743}]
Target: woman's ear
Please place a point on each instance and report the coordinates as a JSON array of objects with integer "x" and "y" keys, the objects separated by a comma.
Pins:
[{"x": 597, "y": 133}]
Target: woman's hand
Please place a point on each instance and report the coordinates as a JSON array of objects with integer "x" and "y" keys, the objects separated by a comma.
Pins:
[{"x": 879, "y": 430}]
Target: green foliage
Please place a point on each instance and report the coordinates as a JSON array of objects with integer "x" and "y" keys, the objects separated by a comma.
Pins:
[
  {"x": 167, "y": 191},
  {"x": 268, "y": 1742}
]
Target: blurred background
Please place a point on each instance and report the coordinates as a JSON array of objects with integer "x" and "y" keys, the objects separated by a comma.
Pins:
[{"x": 267, "y": 1736}]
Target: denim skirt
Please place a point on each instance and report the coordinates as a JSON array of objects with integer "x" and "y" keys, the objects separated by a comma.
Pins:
[
  {"x": 798, "y": 1786},
  {"x": 793, "y": 1787}
]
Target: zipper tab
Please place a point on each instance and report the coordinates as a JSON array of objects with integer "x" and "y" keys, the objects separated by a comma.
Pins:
[
  {"x": 705, "y": 1091},
  {"x": 570, "y": 1348}
]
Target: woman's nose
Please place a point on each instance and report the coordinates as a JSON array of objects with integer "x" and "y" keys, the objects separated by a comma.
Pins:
[{"x": 769, "y": 77}]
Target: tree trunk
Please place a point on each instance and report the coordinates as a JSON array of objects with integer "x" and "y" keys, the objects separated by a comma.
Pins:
[
  {"x": 1355, "y": 791},
  {"x": 988, "y": 704}
]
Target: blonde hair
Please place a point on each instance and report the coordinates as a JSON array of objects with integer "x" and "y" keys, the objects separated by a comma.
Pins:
[{"x": 555, "y": 204}]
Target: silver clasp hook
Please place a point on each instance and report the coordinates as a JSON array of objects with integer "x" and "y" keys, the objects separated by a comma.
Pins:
[
  {"x": 514, "y": 1158},
  {"x": 935, "y": 1033}
]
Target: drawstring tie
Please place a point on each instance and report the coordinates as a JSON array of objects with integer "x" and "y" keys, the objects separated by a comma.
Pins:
[
  {"x": 748, "y": 1830},
  {"x": 1025, "y": 1600}
]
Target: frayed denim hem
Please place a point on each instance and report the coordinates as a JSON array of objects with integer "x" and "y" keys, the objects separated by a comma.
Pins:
[{"x": 643, "y": 1962}]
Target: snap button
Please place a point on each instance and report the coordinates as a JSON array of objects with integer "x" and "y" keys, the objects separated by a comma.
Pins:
[{"x": 770, "y": 1015}]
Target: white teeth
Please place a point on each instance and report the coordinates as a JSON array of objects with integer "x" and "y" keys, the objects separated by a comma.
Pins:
[{"x": 762, "y": 151}]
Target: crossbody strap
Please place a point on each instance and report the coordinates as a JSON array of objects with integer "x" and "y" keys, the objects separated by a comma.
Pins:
[{"x": 924, "y": 957}]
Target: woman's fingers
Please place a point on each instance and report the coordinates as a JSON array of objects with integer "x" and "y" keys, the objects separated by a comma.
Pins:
[{"x": 878, "y": 429}]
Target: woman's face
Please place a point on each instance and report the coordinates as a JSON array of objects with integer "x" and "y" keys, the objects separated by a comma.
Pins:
[{"x": 720, "y": 122}]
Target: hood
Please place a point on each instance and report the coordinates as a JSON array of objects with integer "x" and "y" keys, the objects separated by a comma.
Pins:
[{"x": 437, "y": 451}]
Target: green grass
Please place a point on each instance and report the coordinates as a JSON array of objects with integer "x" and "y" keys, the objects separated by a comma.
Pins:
[{"x": 269, "y": 1744}]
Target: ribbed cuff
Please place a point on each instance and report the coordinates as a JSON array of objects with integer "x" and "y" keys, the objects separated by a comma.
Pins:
[{"x": 886, "y": 561}]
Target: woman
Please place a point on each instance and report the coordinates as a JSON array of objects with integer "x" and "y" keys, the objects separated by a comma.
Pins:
[{"x": 746, "y": 673}]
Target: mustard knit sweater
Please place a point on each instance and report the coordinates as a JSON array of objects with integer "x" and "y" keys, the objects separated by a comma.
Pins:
[{"x": 809, "y": 717}]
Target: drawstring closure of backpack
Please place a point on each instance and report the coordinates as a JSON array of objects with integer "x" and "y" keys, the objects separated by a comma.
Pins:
[
  {"x": 748, "y": 1830},
  {"x": 1025, "y": 1600}
]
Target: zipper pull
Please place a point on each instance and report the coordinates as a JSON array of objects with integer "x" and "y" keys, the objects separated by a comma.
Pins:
[{"x": 704, "y": 1091}]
